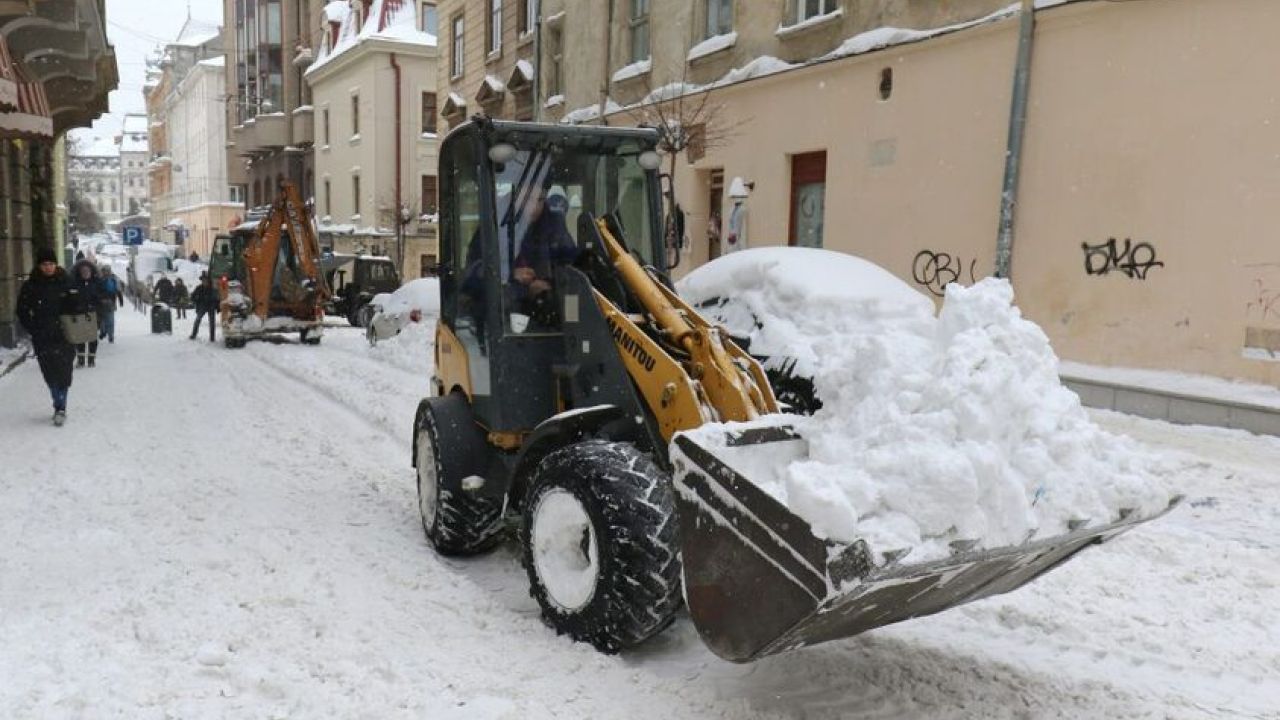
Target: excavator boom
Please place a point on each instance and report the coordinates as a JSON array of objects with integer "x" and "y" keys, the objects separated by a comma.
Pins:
[{"x": 284, "y": 288}]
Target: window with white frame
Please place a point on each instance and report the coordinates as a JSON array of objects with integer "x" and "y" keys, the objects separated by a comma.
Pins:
[
  {"x": 428, "y": 18},
  {"x": 806, "y": 9},
  {"x": 555, "y": 42},
  {"x": 456, "y": 67},
  {"x": 494, "y": 27},
  {"x": 528, "y": 16},
  {"x": 719, "y": 17},
  {"x": 355, "y": 114},
  {"x": 639, "y": 30}
]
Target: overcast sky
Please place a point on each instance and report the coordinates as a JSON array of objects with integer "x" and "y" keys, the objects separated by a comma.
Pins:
[{"x": 135, "y": 28}]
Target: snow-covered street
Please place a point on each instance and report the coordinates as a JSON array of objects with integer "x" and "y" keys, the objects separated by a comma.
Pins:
[{"x": 235, "y": 534}]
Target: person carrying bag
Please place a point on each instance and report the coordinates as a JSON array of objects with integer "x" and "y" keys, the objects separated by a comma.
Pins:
[{"x": 80, "y": 325}]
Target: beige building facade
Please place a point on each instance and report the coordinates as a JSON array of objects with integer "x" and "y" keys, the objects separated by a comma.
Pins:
[
  {"x": 374, "y": 90},
  {"x": 1150, "y": 171},
  {"x": 191, "y": 199},
  {"x": 487, "y": 58}
]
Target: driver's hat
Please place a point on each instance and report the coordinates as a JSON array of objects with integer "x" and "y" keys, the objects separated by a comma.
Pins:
[{"x": 557, "y": 200}]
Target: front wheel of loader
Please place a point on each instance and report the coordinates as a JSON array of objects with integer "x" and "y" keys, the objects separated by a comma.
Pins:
[
  {"x": 600, "y": 544},
  {"x": 451, "y": 459}
]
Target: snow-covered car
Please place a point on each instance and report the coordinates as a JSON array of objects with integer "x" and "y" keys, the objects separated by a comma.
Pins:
[
  {"x": 772, "y": 301},
  {"x": 388, "y": 313}
]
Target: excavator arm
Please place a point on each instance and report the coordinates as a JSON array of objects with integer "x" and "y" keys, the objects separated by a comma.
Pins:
[{"x": 302, "y": 288}]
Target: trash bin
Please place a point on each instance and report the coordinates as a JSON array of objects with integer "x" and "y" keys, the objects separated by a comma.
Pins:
[{"x": 161, "y": 319}]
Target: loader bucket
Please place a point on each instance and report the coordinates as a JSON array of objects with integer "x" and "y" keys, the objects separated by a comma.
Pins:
[{"x": 758, "y": 582}]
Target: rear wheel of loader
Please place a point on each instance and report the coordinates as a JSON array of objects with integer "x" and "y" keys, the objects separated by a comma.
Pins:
[
  {"x": 450, "y": 459},
  {"x": 600, "y": 544}
]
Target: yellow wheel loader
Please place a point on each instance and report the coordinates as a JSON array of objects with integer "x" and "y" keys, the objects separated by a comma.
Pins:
[
  {"x": 278, "y": 285},
  {"x": 567, "y": 369}
]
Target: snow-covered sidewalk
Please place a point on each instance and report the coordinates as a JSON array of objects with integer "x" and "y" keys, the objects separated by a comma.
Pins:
[{"x": 224, "y": 533}]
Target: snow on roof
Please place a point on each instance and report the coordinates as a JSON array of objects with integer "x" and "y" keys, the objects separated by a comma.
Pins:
[
  {"x": 135, "y": 124},
  {"x": 97, "y": 146},
  {"x": 133, "y": 142},
  {"x": 388, "y": 20},
  {"x": 195, "y": 33}
]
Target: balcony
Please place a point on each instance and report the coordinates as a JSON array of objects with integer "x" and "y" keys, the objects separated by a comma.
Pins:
[
  {"x": 304, "y": 126},
  {"x": 263, "y": 133}
]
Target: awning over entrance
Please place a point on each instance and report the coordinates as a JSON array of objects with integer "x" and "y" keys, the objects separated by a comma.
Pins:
[{"x": 32, "y": 118}]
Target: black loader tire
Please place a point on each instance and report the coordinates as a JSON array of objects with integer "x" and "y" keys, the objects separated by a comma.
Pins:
[
  {"x": 629, "y": 502},
  {"x": 450, "y": 448}
]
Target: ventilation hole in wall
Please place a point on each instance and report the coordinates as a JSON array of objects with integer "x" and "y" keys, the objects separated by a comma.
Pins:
[{"x": 886, "y": 83}]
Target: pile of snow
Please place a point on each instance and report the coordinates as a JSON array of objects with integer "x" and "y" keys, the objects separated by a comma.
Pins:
[
  {"x": 422, "y": 295},
  {"x": 189, "y": 271},
  {"x": 386, "y": 21},
  {"x": 933, "y": 428},
  {"x": 411, "y": 303}
]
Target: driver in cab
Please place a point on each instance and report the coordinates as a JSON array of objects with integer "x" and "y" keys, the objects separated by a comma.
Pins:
[{"x": 546, "y": 243}]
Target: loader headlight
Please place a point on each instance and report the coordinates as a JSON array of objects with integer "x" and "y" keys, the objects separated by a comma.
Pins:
[
  {"x": 649, "y": 160},
  {"x": 502, "y": 153}
]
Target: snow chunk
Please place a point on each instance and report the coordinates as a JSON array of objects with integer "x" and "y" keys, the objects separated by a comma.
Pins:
[
  {"x": 711, "y": 45},
  {"x": 422, "y": 294},
  {"x": 335, "y": 11},
  {"x": 759, "y": 67},
  {"x": 212, "y": 654},
  {"x": 635, "y": 69},
  {"x": 933, "y": 429},
  {"x": 787, "y": 30}
]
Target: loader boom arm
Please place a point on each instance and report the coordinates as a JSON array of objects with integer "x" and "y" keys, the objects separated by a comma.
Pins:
[{"x": 732, "y": 385}]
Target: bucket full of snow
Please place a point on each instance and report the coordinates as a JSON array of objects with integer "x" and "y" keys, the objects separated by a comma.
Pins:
[
  {"x": 759, "y": 581},
  {"x": 946, "y": 462}
]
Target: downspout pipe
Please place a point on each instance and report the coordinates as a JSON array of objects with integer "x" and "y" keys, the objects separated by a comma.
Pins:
[
  {"x": 608, "y": 61},
  {"x": 395, "y": 67},
  {"x": 537, "y": 61},
  {"x": 1017, "y": 130}
]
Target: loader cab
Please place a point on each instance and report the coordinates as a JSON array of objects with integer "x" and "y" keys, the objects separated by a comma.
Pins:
[{"x": 516, "y": 201}]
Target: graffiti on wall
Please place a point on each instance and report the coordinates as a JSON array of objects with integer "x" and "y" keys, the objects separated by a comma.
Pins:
[
  {"x": 935, "y": 271},
  {"x": 1133, "y": 260},
  {"x": 1264, "y": 301}
]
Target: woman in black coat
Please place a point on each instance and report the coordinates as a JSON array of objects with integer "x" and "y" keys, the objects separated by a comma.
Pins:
[
  {"x": 87, "y": 295},
  {"x": 43, "y": 299}
]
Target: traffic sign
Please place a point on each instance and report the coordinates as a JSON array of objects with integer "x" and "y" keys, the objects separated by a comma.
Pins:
[{"x": 133, "y": 236}]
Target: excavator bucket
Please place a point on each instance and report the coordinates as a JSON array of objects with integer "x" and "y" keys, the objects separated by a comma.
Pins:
[{"x": 758, "y": 582}]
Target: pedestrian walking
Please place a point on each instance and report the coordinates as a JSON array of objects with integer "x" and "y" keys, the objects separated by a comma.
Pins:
[
  {"x": 205, "y": 298},
  {"x": 181, "y": 298},
  {"x": 42, "y": 301},
  {"x": 86, "y": 296},
  {"x": 111, "y": 295}
]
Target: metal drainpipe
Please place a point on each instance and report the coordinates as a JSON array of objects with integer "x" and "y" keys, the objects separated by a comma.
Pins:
[
  {"x": 1017, "y": 129},
  {"x": 395, "y": 65},
  {"x": 608, "y": 56},
  {"x": 537, "y": 62}
]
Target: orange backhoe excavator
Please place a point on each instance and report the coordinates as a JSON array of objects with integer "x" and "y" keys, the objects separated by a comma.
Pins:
[{"x": 280, "y": 287}]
